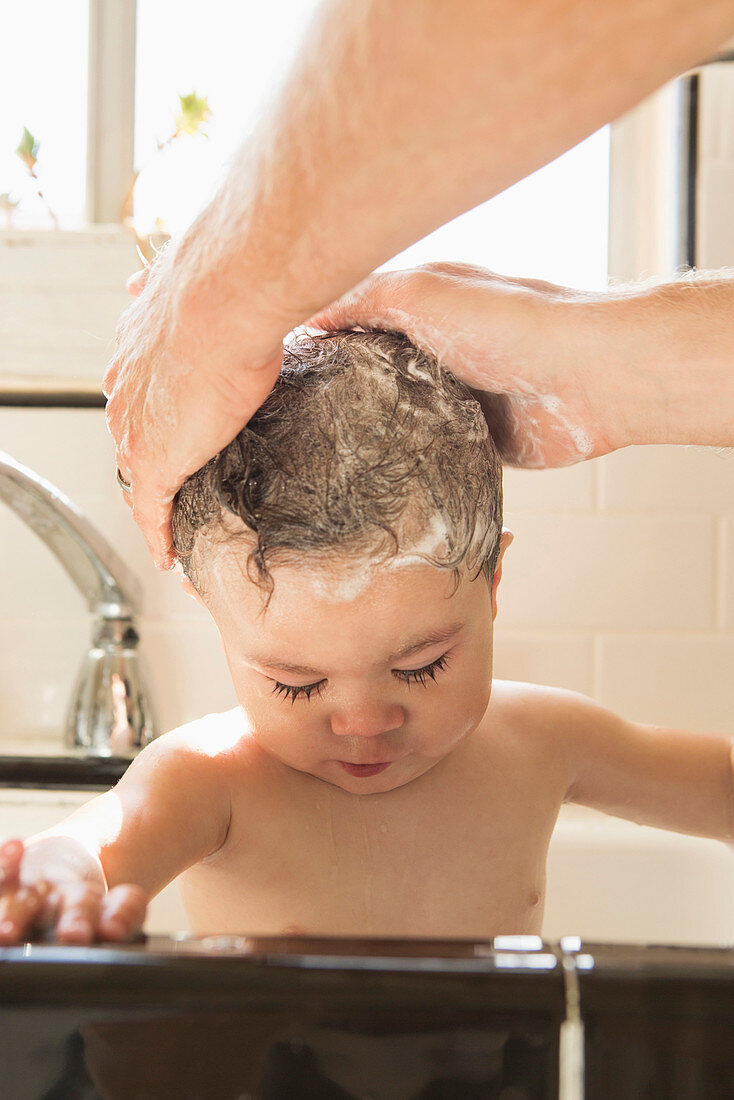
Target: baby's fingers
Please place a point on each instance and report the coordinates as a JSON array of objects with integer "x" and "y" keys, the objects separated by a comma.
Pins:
[
  {"x": 11, "y": 854},
  {"x": 78, "y": 914},
  {"x": 123, "y": 912},
  {"x": 20, "y": 911}
]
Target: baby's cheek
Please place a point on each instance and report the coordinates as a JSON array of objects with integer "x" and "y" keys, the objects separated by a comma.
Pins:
[
  {"x": 283, "y": 726},
  {"x": 470, "y": 702}
]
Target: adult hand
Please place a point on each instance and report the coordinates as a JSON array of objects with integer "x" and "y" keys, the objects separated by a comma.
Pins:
[
  {"x": 512, "y": 341},
  {"x": 564, "y": 375},
  {"x": 182, "y": 383}
]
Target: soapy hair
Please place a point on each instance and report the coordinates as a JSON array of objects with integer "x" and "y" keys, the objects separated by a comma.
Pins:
[{"x": 365, "y": 446}]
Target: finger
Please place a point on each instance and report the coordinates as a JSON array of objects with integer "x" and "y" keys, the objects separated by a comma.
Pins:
[
  {"x": 122, "y": 912},
  {"x": 382, "y": 301},
  {"x": 121, "y": 475},
  {"x": 136, "y": 283},
  {"x": 154, "y": 520},
  {"x": 79, "y": 914},
  {"x": 355, "y": 308},
  {"x": 20, "y": 910},
  {"x": 11, "y": 854}
]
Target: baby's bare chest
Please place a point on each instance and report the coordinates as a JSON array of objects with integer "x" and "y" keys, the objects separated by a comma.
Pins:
[{"x": 461, "y": 861}]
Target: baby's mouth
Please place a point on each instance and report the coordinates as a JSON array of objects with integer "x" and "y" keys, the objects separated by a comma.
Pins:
[{"x": 364, "y": 769}]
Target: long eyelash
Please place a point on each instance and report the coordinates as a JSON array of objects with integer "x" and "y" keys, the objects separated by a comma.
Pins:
[
  {"x": 421, "y": 675},
  {"x": 407, "y": 675},
  {"x": 292, "y": 693}
]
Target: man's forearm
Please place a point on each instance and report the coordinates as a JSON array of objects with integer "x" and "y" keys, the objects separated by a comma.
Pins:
[
  {"x": 398, "y": 116},
  {"x": 664, "y": 359}
]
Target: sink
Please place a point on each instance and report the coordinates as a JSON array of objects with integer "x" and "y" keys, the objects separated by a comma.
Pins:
[
  {"x": 62, "y": 771},
  {"x": 45, "y": 763}
]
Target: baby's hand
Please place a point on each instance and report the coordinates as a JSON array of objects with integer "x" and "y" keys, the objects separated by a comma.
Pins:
[{"x": 67, "y": 910}]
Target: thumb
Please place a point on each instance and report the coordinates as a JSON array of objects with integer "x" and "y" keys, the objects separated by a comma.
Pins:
[
  {"x": 359, "y": 306},
  {"x": 339, "y": 315},
  {"x": 384, "y": 300}
]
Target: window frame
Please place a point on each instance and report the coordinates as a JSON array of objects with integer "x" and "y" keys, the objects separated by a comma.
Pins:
[{"x": 110, "y": 108}]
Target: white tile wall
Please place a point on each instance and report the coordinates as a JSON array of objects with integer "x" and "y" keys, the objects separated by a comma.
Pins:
[
  {"x": 545, "y": 657},
  {"x": 727, "y": 575},
  {"x": 554, "y": 491},
  {"x": 672, "y": 480},
  {"x": 620, "y": 583},
  {"x": 675, "y": 680},
  {"x": 609, "y": 572},
  {"x": 60, "y": 295}
]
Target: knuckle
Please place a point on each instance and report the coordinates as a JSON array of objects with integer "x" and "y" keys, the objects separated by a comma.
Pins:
[
  {"x": 128, "y": 897},
  {"x": 81, "y": 895},
  {"x": 125, "y": 908},
  {"x": 23, "y": 900}
]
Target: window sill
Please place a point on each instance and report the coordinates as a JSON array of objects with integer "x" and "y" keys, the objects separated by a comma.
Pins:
[{"x": 92, "y": 234}]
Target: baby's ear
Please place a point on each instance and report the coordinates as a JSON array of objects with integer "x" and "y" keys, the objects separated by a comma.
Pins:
[{"x": 505, "y": 540}]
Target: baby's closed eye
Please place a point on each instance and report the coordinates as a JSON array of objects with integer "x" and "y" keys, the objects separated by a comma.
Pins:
[{"x": 407, "y": 675}]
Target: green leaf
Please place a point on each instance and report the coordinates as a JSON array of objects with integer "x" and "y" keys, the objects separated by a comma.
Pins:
[
  {"x": 194, "y": 112},
  {"x": 28, "y": 149}
]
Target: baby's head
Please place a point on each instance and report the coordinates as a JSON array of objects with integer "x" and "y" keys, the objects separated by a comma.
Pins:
[{"x": 347, "y": 545}]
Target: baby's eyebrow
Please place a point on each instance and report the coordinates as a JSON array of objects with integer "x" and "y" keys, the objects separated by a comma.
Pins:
[{"x": 433, "y": 638}]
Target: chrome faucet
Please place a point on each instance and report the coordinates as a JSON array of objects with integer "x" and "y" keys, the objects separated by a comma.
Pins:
[{"x": 110, "y": 712}]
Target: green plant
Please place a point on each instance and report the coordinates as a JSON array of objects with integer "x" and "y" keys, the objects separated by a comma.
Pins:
[
  {"x": 191, "y": 117},
  {"x": 27, "y": 150}
]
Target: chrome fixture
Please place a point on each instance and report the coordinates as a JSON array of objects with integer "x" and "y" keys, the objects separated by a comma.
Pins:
[{"x": 110, "y": 712}]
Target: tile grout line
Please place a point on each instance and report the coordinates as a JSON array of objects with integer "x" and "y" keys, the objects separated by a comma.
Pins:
[
  {"x": 720, "y": 575},
  {"x": 596, "y": 666},
  {"x": 596, "y": 492}
]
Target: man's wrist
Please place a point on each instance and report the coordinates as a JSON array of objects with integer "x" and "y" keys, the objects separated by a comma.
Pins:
[
  {"x": 662, "y": 360},
  {"x": 222, "y": 296}
]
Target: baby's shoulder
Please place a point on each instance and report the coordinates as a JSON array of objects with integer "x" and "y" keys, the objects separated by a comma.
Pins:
[
  {"x": 535, "y": 730},
  {"x": 210, "y": 734},
  {"x": 215, "y": 742},
  {"x": 533, "y": 710}
]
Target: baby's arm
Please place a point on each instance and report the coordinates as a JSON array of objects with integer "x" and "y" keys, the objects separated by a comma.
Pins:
[
  {"x": 110, "y": 857},
  {"x": 667, "y": 778}
]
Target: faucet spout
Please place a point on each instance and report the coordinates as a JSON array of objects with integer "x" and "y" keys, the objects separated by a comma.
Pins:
[
  {"x": 110, "y": 712},
  {"x": 104, "y": 580}
]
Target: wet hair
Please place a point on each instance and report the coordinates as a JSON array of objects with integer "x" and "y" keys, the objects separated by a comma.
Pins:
[{"x": 365, "y": 446}]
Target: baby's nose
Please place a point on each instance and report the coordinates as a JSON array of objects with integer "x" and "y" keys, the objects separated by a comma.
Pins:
[{"x": 367, "y": 720}]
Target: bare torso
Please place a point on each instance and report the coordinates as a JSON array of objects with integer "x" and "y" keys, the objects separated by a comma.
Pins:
[{"x": 459, "y": 852}]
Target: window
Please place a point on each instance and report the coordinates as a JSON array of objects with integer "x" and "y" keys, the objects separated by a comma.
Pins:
[
  {"x": 234, "y": 55},
  {"x": 552, "y": 225},
  {"x": 43, "y": 62}
]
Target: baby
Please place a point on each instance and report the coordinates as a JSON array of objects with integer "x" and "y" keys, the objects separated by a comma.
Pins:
[{"x": 373, "y": 781}]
